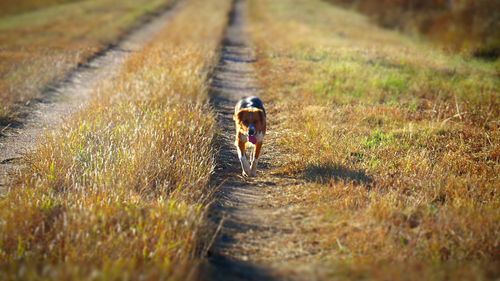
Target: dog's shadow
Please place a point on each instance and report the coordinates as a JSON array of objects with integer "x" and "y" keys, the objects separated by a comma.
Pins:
[{"x": 327, "y": 173}]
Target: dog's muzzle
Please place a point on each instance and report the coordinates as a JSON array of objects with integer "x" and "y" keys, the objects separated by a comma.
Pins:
[
  {"x": 251, "y": 130},
  {"x": 251, "y": 134}
]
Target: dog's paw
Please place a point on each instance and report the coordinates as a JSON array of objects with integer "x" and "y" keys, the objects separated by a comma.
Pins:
[
  {"x": 250, "y": 174},
  {"x": 253, "y": 169}
]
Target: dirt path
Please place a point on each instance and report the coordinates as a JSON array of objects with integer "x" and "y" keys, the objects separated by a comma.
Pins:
[
  {"x": 65, "y": 98},
  {"x": 257, "y": 239}
]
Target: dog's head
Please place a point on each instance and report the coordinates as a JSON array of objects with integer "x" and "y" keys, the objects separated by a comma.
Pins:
[{"x": 250, "y": 121}]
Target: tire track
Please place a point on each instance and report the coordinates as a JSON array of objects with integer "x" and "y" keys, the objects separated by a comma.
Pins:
[
  {"x": 62, "y": 100},
  {"x": 245, "y": 247}
]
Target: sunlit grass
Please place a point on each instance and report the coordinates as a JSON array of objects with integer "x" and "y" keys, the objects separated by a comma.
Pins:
[
  {"x": 41, "y": 46},
  {"x": 120, "y": 192},
  {"x": 12, "y": 7},
  {"x": 467, "y": 26},
  {"x": 396, "y": 143}
]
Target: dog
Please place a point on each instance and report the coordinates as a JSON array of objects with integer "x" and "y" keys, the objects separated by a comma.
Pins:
[{"x": 250, "y": 120}]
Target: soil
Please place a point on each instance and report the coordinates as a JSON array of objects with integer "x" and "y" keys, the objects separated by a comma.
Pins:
[{"x": 257, "y": 238}]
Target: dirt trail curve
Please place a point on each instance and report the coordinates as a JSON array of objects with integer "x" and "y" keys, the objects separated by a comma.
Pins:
[
  {"x": 253, "y": 240},
  {"x": 69, "y": 96}
]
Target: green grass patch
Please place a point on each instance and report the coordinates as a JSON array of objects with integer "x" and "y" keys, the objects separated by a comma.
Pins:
[{"x": 397, "y": 138}]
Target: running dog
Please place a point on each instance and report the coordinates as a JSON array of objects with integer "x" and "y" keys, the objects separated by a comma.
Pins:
[{"x": 250, "y": 119}]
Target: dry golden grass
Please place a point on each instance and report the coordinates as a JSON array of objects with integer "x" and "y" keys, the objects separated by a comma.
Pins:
[
  {"x": 397, "y": 145},
  {"x": 120, "y": 192},
  {"x": 470, "y": 26},
  {"x": 12, "y": 7},
  {"x": 40, "y": 47}
]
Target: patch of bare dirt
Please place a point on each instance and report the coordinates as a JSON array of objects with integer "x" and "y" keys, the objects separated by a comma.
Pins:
[{"x": 259, "y": 238}]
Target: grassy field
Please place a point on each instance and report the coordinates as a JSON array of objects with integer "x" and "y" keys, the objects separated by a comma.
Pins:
[
  {"x": 119, "y": 193},
  {"x": 41, "y": 46},
  {"x": 469, "y": 26},
  {"x": 12, "y": 7},
  {"x": 397, "y": 145},
  {"x": 382, "y": 158}
]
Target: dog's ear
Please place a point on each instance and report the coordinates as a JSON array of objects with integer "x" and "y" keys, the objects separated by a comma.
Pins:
[
  {"x": 240, "y": 115},
  {"x": 237, "y": 116},
  {"x": 262, "y": 116}
]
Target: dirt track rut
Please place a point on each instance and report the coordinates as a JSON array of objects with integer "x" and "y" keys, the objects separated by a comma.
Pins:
[
  {"x": 71, "y": 95},
  {"x": 253, "y": 240}
]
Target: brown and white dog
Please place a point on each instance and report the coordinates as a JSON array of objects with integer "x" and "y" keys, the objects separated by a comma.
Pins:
[{"x": 250, "y": 119}]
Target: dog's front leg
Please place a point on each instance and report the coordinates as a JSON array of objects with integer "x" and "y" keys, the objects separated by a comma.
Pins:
[
  {"x": 255, "y": 160},
  {"x": 245, "y": 165}
]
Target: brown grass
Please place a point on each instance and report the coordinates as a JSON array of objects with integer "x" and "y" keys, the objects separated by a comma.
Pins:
[
  {"x": 120, "y": 192},
  {"x": 396, "y": 145},
  {"x": 40, "y": 47},
  {"x": 12, "y": 7},
  {"x": 470, "y": 26}
]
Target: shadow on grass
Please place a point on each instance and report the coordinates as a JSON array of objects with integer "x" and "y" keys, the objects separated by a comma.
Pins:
[{"x": 332, "y": 172}]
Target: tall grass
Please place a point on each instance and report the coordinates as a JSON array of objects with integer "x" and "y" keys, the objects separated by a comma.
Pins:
[
  {"x": 41, "y": 46},
  {"x": 396, "y": 145},
  {"x": 461, "y": 25},
  {"x": 119, "y": 193},
  {"x": 11, "y": 7}
]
